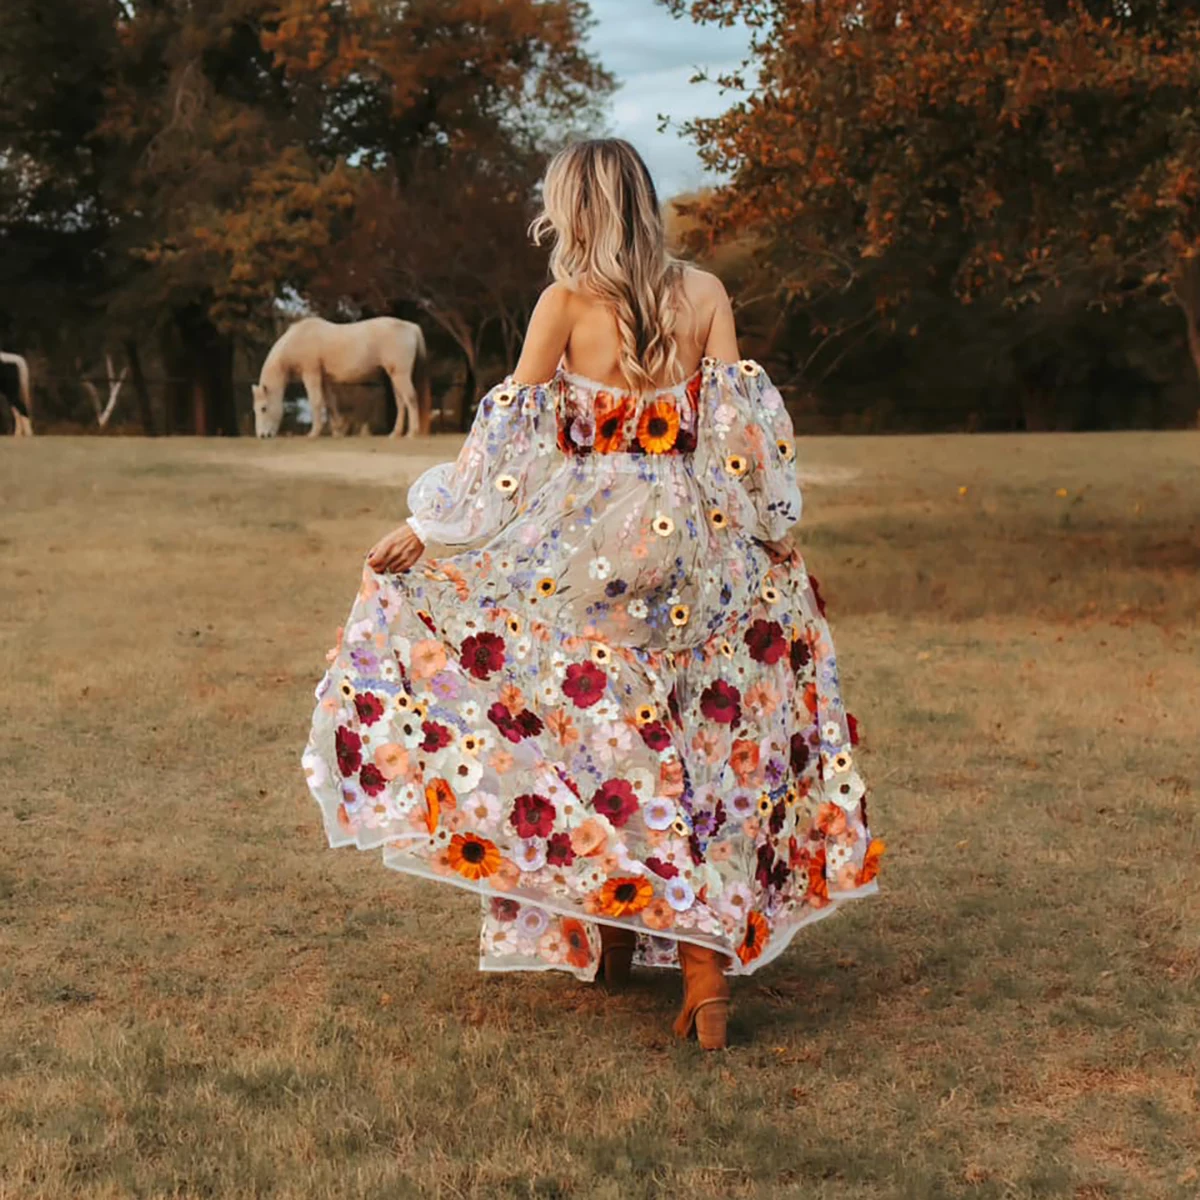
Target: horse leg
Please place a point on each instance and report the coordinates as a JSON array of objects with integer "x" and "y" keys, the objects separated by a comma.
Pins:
[
  {"x": 314, "y": 388},
  {"x": 406, "y": 403}
]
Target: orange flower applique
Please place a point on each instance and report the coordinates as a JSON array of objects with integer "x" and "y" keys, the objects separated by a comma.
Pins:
[
  {"x": 743, "y": 758},
  {"x": 624, "y": 897},
  {"x": 658, "y": 427},
  {"x": 870, "y": 867},
  {"x": 818, "y": 885},
  {"x": 589, "y": 838},
  {"x": 612, "y": 413},
  {"x": 579, "y": 950},
  {"x": 472, "y": 857},
  {"x": 658, "y": 914},
  {"x": 755, "y": 937},
  {"x": 427, "y": 658},
  {"x": 438, "y": 795},
  {"x": 561, "y": 724}
]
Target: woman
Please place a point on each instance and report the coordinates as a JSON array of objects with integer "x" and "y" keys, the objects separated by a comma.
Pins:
[{"x": 613, "y": 710}]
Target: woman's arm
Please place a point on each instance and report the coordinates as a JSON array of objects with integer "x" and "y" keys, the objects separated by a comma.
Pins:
[
  {"x": 721, "y": 343},
  {"x": 547, "y": 336},
  {"x": 545, "y": 342}
]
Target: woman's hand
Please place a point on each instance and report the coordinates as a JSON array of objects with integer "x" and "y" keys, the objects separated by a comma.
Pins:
[
  {"x": 395, "y": 551},
  {"x": 778, "y": 552}
]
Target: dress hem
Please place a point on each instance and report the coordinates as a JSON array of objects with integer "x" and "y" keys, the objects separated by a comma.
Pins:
[{"x": 778, "y": 944}]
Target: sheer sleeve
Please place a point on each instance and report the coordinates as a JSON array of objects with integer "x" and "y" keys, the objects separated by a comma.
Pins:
[
  {"x": 510, "y": 452},
  {"x": 745, "y": 450}
]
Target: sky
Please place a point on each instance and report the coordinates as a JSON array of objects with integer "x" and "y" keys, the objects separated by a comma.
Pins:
[{"x": 653, "y": 56}]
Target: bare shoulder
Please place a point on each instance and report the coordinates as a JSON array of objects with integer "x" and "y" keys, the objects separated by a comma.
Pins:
[
  {"x": 556, "y": 299},
  {"x": 703, "y": 287}
]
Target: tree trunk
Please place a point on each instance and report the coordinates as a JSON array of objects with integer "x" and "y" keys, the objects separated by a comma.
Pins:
[
  {"x": 178, "y": 414},
  {"x": 1187, "y": 294},
  {"x": 140, "y": 391},
  {"x": 210, "y": 360}
]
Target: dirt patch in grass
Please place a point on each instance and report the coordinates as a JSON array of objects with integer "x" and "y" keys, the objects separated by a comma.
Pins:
[{"x": 201, "y": 999}]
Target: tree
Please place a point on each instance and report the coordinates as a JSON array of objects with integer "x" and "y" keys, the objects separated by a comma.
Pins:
[
  {"x": 894, "y": 155},
  {"x": 216, "y": 156}
]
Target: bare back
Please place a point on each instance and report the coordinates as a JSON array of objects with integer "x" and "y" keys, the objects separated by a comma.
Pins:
[{"x": 580, "y": 332}]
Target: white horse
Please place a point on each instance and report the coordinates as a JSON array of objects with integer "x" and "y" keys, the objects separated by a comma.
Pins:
[
  {"x": 317, "y": 351},
  {"x": 14, "y": 387}
]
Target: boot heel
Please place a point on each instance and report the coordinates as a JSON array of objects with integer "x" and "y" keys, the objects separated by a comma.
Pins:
[
  {"x": 711, "y": 1018},
  {"x": 616, "y": 955}
]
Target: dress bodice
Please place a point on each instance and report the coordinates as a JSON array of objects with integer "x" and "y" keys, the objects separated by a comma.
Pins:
[{"x": 597, "y": 418}]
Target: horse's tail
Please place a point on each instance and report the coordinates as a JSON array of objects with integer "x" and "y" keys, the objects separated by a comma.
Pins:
[{"x": 422, "y": 382}]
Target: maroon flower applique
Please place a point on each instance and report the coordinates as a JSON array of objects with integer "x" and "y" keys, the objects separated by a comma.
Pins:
[
  {"x": 816, "y": 591},
  {"x": 532, "y": 815},
  {"x": 349, "y": 750},
  {"x": 766, "y": 641},
  {"x": 369, "y": 707},
  {"x": 616, "y": 800},
  {"x": 585, "y": 684},
  {"x": 503, "y": 720},
  {"x": 529, "y": 723},
  {"x": 664, "y": 870},
  {"x": 481, "y": 654},
  {"x": 437, "y": 736},
  {"x": 371, "y": 780},
  {"x": 799, "y": 753},
  {"x": 799, "y": 654},
  {"x": 655, "y": 735},
  {"x": 559, "y": 852},
  {"x": 721, "y": 702}
]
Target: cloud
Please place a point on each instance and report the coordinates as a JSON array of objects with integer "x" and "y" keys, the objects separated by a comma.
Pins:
[{"x": 653, "y": 57}]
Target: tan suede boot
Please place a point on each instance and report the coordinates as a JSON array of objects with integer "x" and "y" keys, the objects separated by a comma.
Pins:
[
  {"x": 616, "y": 955},
  {"x": 705, "y": 995}
]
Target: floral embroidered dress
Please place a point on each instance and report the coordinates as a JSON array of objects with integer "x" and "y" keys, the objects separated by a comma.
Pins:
[{"x": 607, "y": 704}]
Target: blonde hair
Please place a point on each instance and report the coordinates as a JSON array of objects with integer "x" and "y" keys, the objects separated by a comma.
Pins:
[{"x": 599, "y": 202}]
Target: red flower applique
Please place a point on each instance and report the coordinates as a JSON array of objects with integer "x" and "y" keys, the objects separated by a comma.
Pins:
[
  {"x": 481, "y": 654},
  {"x": 721, "y": 702},
  {"x": 532, "y": 815},
  {"x": 371, "y": 780},
  {"x": 499, "y": 716},
  {"x": 585, "y": 683},
  {"x": 349, "y": 750},
  {"x": 766, "y": 641},
  {"x": 655, "y": 735},
  {"x": 437, "y": 736},
  {"x": 664, "y": 870},
  {"x": 559, "y": 852},
  {"x": 616, "y": 800},
  {"x": 369, "y": 707}
]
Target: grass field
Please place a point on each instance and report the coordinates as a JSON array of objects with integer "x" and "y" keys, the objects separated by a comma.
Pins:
[{"x": 201, "y": 1000}]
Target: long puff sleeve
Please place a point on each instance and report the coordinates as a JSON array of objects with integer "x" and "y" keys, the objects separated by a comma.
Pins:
[
  {"x": 745, "y": 451},
  {"x": 508, "y": 455}
]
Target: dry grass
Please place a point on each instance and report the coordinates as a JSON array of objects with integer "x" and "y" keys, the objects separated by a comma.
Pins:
[{"x": 200, "y": 1000}]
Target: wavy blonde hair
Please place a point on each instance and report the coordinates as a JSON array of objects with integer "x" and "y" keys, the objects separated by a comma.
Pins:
[{"x": 599, "y": 202}]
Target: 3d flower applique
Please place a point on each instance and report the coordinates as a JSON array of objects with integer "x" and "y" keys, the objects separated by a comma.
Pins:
[
  {"x": 749, "y": 368},
  {"x": 736, "y": 465},
  {"x": 473, "y": 857},
  {"x": 658, "y": 427},
  {"x": 663, "y": 525}
]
